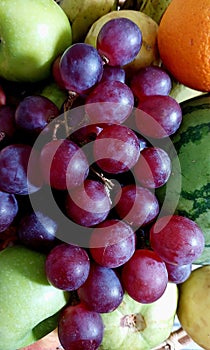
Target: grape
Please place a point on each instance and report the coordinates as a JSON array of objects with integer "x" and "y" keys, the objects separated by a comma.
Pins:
[
  {"x": 113, "y": 73},
  {"x": 153, "y": 167},
  {"x": 34, "y": 113},
  {"x": 102, "y": 291},
  {"x": 145, "y": 276},
  {"x": 80, "y": 328},
  {"x": 177, "y": 239},
  {"x": 67, "y": 266},
  {"x": 116, "y": 149},
  {"x": 3, "y": 97},
  {"x": 86, "y": 134},
  {"x": 37, "y": 231},
  {"x": 119, "y": 41},
  {"x": 178, "y": 273},
  {"x": 56, "y": 72},
  {"x": 8, "y": 210},
  {"x": 158, "y": 116},
  {"x": 109, "y": 102},
  {"x": 63, "y": 164},
  {"x": 81, "y": 67},
  {"x": 112, "y": 243},
  {"x": 19, "y": 169},
  {"x": 151, "y": 80},
  {"x": 88, "y": 204},
  {"x": 7, "y": 124},
  {"x": 136, "y": 205}
]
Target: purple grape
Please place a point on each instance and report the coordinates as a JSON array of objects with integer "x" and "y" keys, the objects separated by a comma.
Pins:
[
  {"x": 7, "y": 124},
  {"x": 153, "y": 167},
  {"x": 102, "y": 291},
  {"x": 79, "y": 328},
  {"x": 158, "y": 116},
  {"x": 88, "y": 204},
  {"x": 116, "y": 149},
  {"x": 81, "y": 67},
  {"x": 112, "y": 243},
  {"x": 177, "y": 239},
  {"x": 145, "y": 276},
  {"x": 63, "y": 164},
  {"x": 19, "y": 169},
  {"x": 113, "y": 73},
  {"x": 67, "y": 266},
  {"x": 34, "y": 113},
  {"x": 136, "y": 205},
  {"x": 109, "y": 102},
  {"x": 119, "y": 41},
  {"x": 37, "y": 231},
  {"x": 8, "y": 210},
  {"x": 178, "y": 273},
  {"x": 151, "y": 80},
  {"x": 86, "y": 134}
]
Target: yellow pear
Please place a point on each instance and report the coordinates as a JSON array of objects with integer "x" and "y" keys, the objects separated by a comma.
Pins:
[
  {"x": 148, "y": 53},
  {"x": 194, "y": 306}
]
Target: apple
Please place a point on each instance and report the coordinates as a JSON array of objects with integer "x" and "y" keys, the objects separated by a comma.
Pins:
[
  {"x": 32, "y": 34},
  {"x": 49, "y": 342},
  {"x": 29, "y": 305},
  {"x": 140, "y": 326},
  {"x": 194, "y": 306}
]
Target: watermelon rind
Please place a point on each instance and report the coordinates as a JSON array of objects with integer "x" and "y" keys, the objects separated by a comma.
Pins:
[{"x": 191, "y": 164}]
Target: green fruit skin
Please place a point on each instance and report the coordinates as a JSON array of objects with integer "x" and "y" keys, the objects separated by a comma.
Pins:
[
  {"x": 26, "y": 298},
  {"x": 54, "y": 93},
  {"x": 33, "y": 33},
  {"x": 189, "y": 183},
  {"x": 158, "y": 320},
  {"x": 194, "y": 306}
]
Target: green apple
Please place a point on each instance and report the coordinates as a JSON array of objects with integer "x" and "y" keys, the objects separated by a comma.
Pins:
[
  {"x": 29, "y": 305},
  {"x": 32, "y": 34},
  {"x": 140, "y": 326}
]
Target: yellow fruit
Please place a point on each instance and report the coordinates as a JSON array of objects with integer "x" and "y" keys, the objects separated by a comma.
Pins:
[
  {"x": 149, "y": 53},
  {"x": 82, "y": 14},
  {"x": 194, "y": 306}
]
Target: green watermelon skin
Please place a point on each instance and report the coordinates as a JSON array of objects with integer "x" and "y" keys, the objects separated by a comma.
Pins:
[{"x": 187, "y": 192}]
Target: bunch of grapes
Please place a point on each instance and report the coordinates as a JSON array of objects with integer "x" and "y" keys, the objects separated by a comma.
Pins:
[{"x": 80, "y": 183}]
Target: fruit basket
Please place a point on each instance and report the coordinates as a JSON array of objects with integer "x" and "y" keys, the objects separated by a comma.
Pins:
[{"x": 104, "y": 176}]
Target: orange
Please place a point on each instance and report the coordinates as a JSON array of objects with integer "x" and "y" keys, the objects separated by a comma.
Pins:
[{"x": 184, "y": 42}]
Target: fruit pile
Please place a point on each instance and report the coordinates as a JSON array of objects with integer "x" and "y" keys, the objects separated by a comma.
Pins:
[{"x": 95, "y": 228}]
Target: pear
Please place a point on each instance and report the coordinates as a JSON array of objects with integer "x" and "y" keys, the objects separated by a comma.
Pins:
[
  {"x": 148, "y": 53},
  {"x": 182, "y": 93},
  {"x": 29, "y": 305},
  {"x": 194, "y": 306},
  {"x": 83, "y": 13}
]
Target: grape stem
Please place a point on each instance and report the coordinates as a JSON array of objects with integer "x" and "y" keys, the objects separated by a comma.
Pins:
[
  {"x": 67, "y": 106},
  {"x": 108, "y": 183}
]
